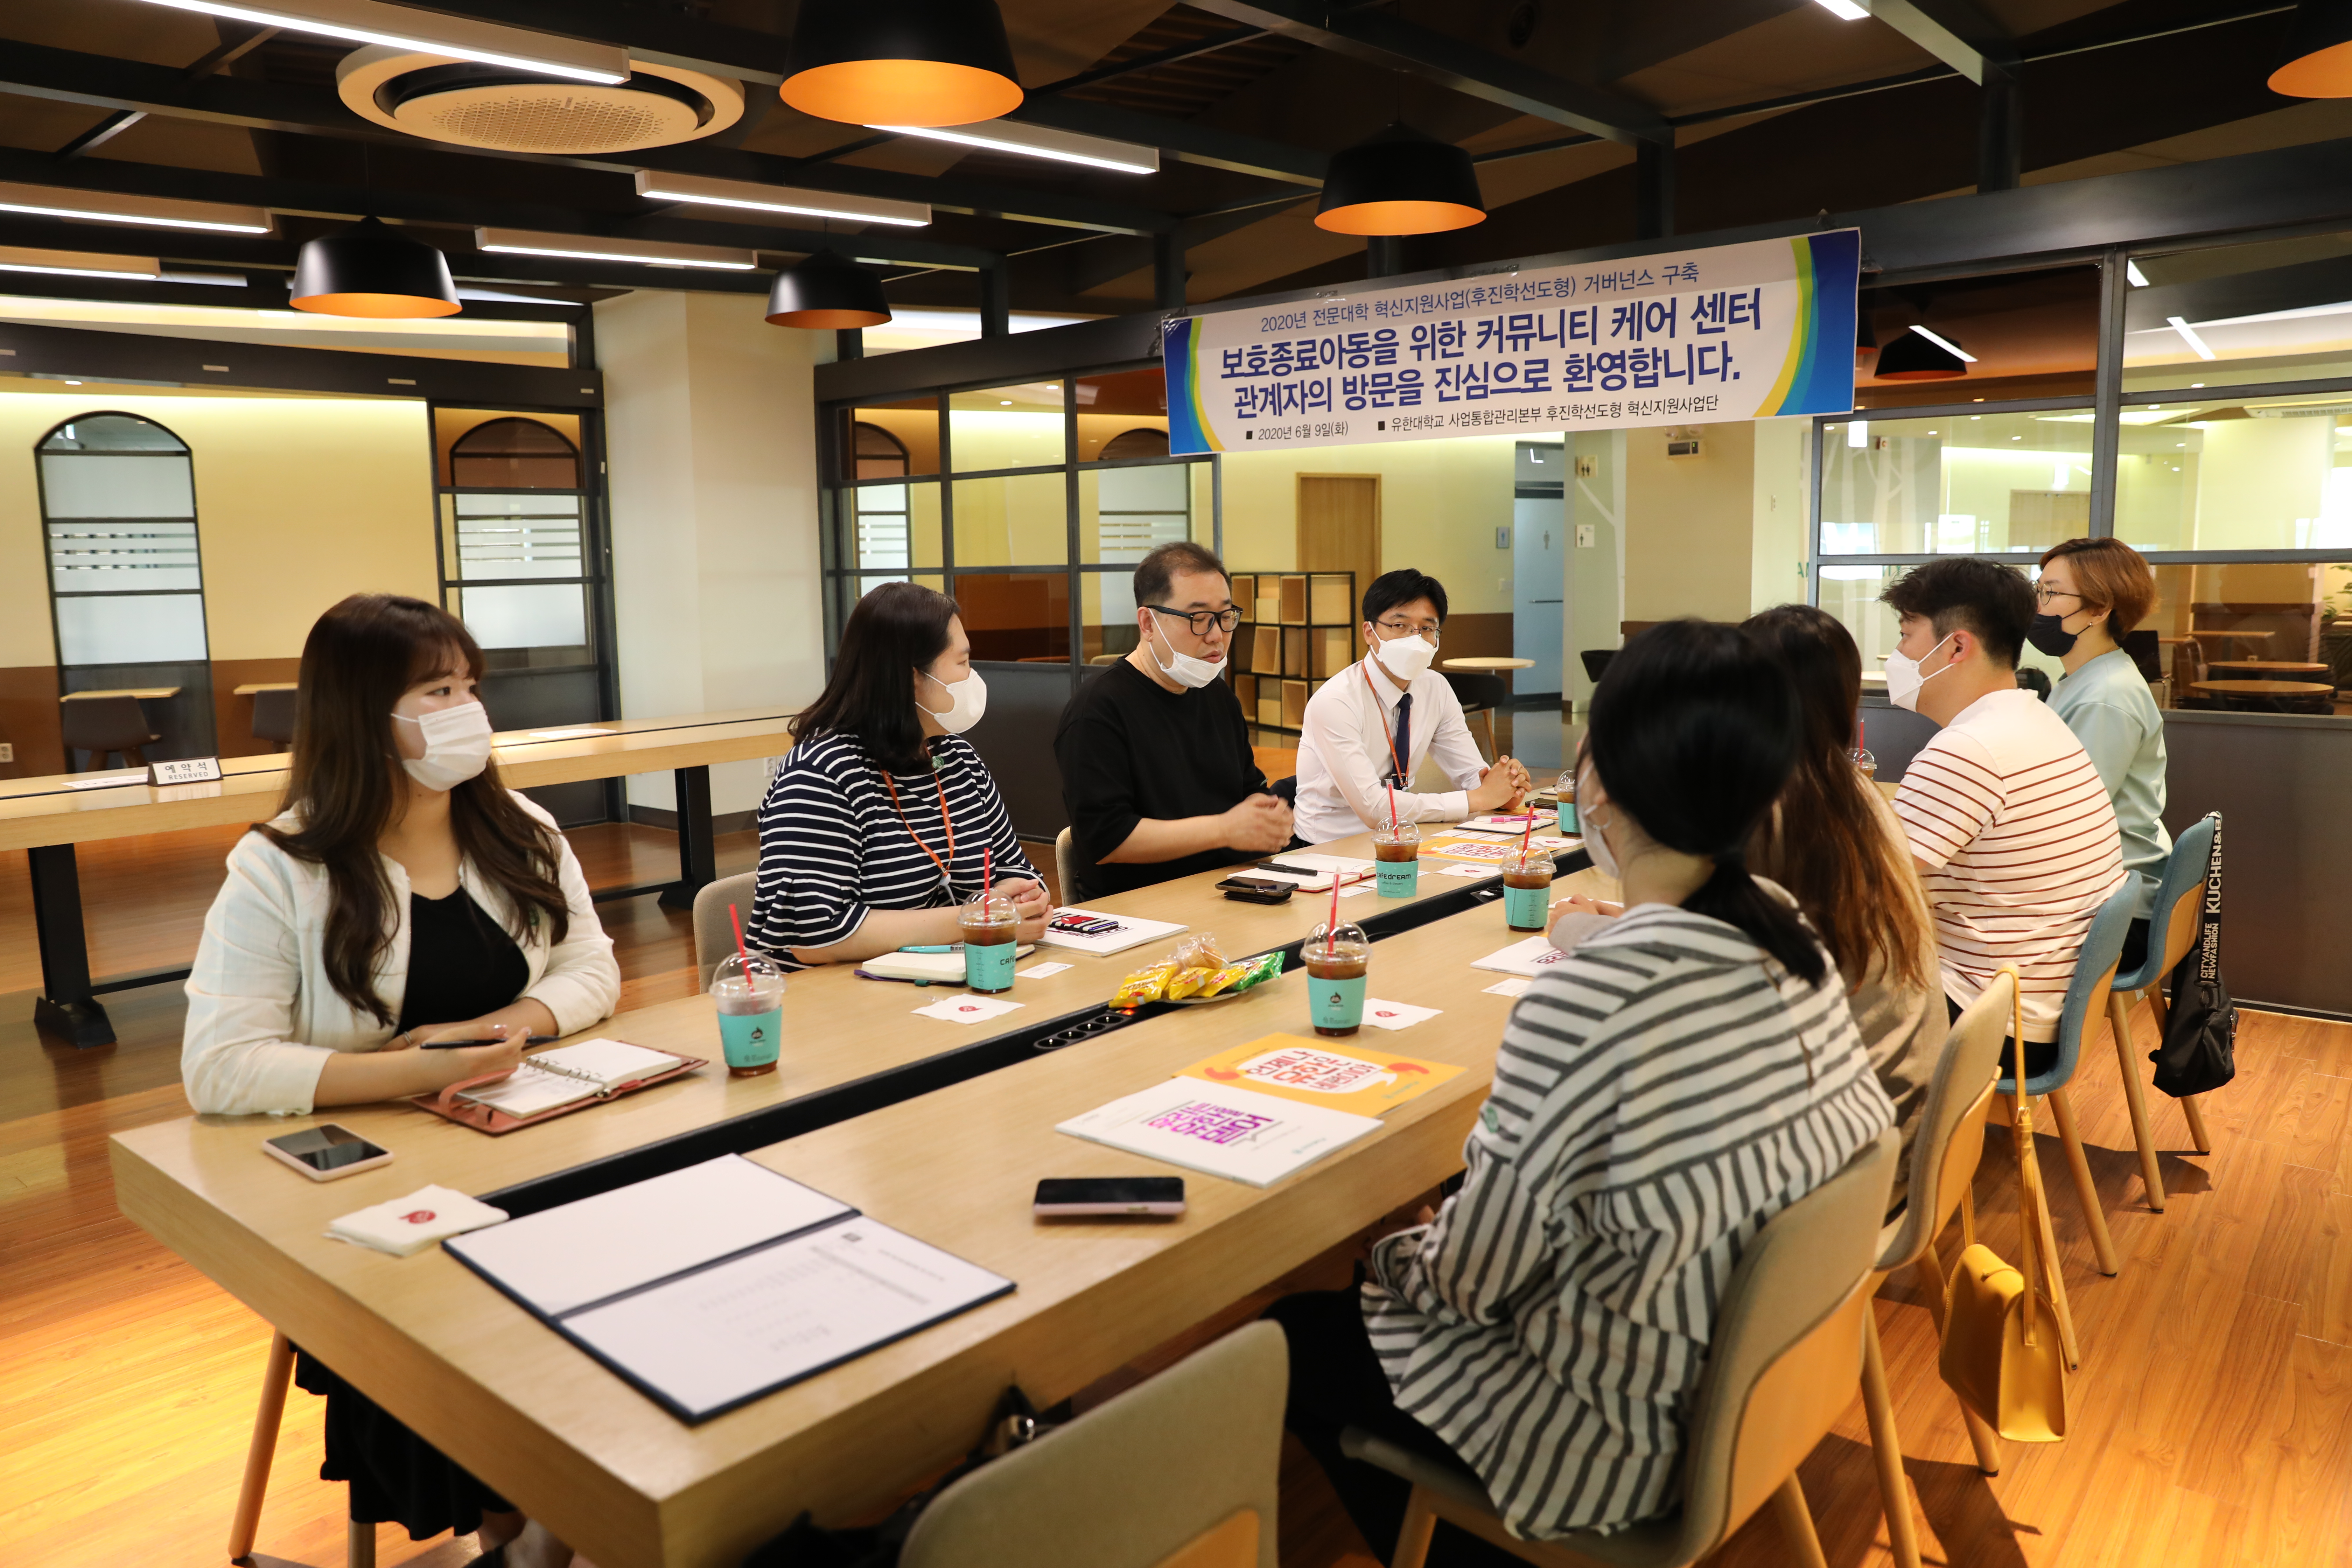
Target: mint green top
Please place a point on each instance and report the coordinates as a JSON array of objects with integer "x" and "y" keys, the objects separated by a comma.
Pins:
[{"x": 2107, "y": 705}]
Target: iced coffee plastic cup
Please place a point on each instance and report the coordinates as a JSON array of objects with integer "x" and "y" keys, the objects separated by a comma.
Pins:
[
  {"x": 1564, "y": 794},
  {"x": 749, "y": 992},
  {"x": 991, "y": 932},
  {"x": 1866, "y": 762},
  {"x": 1396, "y": 857},
  {"x": 1526, "y": 890},
  {"x": 1337, "y": 959}
]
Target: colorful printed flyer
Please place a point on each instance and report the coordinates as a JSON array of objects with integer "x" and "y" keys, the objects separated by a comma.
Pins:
[
  {"x": 1492, "y": 850},
  {"x": 1312, "y": 1072},
  {"x": 1220, "y": 1130}
]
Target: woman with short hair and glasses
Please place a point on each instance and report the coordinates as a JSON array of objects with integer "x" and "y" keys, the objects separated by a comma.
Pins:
[
  {"x": 2092, "y": 593},
  {"x": 1369, "y": 727},
  {"x": 884, "y": 819}
]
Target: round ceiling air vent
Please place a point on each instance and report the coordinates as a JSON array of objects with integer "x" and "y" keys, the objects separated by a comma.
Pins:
[{"x": 443, "y": 99}]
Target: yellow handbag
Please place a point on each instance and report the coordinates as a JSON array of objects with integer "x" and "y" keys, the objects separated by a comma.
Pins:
[{"x": 2001, "y": 1352}]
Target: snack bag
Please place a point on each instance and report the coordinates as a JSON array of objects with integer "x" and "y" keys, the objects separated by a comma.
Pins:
[
  {"x": 1223, "y": 979},
  {"x": 1198, "y": 951},
  {"x": 1185, "y": 982},
  {"x": 1259, "y": 970},
  {"x": 1143, "y": 985}
]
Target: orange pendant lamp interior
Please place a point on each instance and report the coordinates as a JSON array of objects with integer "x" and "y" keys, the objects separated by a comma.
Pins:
[
  {"x": 371, "y": 271},
  {"x": 901, "y": 62},
  {"x": 1400, "y": 182},
  {"x": 2318, "y": 52}
]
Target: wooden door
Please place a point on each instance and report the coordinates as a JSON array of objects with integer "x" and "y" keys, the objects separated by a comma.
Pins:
[{"x": 1340, "y": 528}]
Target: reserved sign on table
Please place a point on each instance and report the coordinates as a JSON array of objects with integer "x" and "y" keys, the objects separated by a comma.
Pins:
[{"x": 185, "y": 771}]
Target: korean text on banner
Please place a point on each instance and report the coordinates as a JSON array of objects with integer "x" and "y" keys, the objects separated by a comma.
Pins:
[{"x": 1758, "y": 330}]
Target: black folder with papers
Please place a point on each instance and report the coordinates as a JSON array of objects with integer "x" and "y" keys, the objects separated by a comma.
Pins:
[{"x": 707, "y": 1287}]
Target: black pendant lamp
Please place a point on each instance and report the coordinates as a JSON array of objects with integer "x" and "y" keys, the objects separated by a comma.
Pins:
[
  {"x": 2318, "y": 61},
  {"x": 827, "y": 291},
  {"x": 901, "y": 62},
  {"x": 1911, "y": 357},
  {"x": 1400, "y": 182},
  {"x": 369, "y": 270}
]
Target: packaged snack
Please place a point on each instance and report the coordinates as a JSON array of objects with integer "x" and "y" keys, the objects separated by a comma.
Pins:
[
  {"x": 1143, "y": 985},
  {"x": 1198, "y": 951},
  {"x": 1223, "y": 979},
  {"x": 1185, "y": 982},
  {"x": 1258, "y": 970}
]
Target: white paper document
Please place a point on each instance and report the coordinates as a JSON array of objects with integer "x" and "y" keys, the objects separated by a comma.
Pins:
[
  {"x": 567, "y": 1257},
  {"x": 1510, "y": 823},
  {"x": 1514, "y": 987},
  {"x": 1236, "y": 1133},
  {"x": 1131, "y": 932},
  {"x": 1530, "y": 957},
  {"x": 568, "y": 1073}
]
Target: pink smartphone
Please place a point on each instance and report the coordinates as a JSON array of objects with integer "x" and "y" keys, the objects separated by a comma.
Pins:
[
  {"x": 327, "y": 1152},
  {"x": 1074, "y": 1196}
]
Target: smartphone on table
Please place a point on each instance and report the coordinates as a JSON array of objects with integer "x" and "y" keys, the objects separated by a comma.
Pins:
[
  {"x": 327, "y": 1152},
  {"x": 1061, "y": 1198}
]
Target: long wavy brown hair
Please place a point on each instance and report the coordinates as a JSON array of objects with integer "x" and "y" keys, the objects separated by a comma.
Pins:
[
  {"x": 1827, "y": 840},
  {"x": 345, "y": 786}
]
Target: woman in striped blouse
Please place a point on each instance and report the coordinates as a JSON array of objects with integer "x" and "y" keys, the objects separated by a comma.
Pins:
[
  {"x": 1682, "y": 1077},
  {"x": 884, "y": 817}
]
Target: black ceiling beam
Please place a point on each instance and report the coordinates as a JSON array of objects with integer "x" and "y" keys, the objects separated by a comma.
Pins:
[
  {"x": 99, "y": 81},
  {"x": 665, "y": 35},
  {"x": 1193, "y": 143},
  {"x": 1955, "y": 32},
  {"x": 1377, "y": 38},
  {"x": 1153, "y": 61}
]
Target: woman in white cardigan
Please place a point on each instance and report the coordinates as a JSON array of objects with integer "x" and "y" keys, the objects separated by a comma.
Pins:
[{"x": 401, "y": 896}]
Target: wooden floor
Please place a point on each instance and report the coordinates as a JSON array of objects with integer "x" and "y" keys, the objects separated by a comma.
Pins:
[{"x": 2211, "y": 1420}]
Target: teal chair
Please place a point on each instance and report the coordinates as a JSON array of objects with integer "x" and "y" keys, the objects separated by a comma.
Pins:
[
  {"x": 2086, "y": 1000},
  {"x": 2172, "y": 932}
]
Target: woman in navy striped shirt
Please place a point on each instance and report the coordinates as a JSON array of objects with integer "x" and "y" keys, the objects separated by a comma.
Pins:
[
  {"x": 884, "y": 818},
  {"x": 1660, "y": 1094}
]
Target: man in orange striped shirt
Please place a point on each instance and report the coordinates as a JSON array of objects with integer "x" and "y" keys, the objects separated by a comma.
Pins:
[{"x": 2009, "y": 822}]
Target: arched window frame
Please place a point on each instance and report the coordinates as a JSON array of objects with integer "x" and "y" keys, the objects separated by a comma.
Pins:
[
  {"x": 185, "y": 454},
  {"x": 458, "y": 450},
  {"x": 471, "y": 569}
]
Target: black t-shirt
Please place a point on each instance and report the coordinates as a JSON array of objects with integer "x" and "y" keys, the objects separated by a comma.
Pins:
[
  {"x": 461, "y": 963},
  {"x": 1130, "y": 749}
]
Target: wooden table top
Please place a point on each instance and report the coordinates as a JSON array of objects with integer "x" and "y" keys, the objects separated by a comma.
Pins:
[
  {"x": 1486, "y": 663},
  {"x": 2277, "y": 665},
  {"x": 251, "y": 687},
  {"x": 76, "y": 808},
  {"x": 144, "y": 693},
  {"x": 623, "y": 1482},
  {"x": 2264, "y": 687}
]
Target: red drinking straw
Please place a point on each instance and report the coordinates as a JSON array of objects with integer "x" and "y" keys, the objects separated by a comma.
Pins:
[
  {"x": 987, "y": 875},
  {"x": 1331, "y": 926},
  {"x": 1393, "y": 824},
  {"x": 735, "y": 916}
]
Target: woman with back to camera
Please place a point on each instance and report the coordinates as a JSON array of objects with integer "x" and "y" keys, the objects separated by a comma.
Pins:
[
  {"x": 2093, "y": 592},
  {"x": 884, "y": 819},
  {"x": 401, "y": 896},
  {"x": 1549, "y": 1327}
]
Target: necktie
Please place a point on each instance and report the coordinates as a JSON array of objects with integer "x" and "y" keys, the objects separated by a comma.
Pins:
[{"x": 1403, "y": 738}]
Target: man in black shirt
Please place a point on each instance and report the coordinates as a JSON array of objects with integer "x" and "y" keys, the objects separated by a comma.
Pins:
[{"x": 1156, "y": 764}]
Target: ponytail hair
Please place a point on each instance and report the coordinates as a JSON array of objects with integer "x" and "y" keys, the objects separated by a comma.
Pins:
[{"x": 1696, "y": 730}]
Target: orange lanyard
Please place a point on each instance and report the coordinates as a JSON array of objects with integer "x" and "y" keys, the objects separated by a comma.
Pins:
[
  {"x": 1388, "y": 732},
  {"x": 948, "y": 821}
]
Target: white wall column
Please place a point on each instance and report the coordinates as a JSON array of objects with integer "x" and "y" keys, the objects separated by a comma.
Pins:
[{"x": 711, "y": 452}]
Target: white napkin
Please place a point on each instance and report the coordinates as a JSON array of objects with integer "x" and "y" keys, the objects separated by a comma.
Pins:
[
  {"x": 1511, "y": 987},
  {"x": 1479, "y": 871},
  {"x": 968, "y": 1009},
  {"x": 408, "y": 1225},
  {"x": 1039, "y": 970},
  {"x": 1382, "y": 1014}
]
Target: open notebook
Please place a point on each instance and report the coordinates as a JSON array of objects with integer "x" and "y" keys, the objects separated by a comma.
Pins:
[
  {"x": 711, "y": 1286},
  {"x": 552, "y": 1082}
]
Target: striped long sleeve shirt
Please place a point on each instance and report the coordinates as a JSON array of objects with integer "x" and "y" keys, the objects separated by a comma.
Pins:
[
  {"x": 2013, "y": 824},
  {"x": 1659, "y": 1095},
  {"x": 832, "y": 845}
]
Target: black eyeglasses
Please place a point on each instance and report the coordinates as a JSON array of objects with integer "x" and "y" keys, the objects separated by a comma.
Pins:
[{"x": 1202, "y": 620}]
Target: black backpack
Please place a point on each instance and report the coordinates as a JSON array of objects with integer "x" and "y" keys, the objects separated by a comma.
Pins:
[{"x": 2201, "y": 1035}]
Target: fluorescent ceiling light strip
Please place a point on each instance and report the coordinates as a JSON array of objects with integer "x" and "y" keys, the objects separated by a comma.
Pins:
[
  {"x": 1843, "y": 10},
  {"x": 780, "y": 199},
  {"x": 80, "y": 264},
  {"x": 1037, "y": 142},
  {"x": 1946, "y": 344},
  {"x": 2190, "y": 337},
  {"x": 2132, "y": 275},
  {"x": 644, "y": 252},
  {"x": 106, "y": 207},
  {"x": 115, "y": 272},
  {"x": 462, "y": 38}
]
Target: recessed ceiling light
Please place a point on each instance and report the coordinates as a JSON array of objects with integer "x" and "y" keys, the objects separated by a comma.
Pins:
[
  {"x": 745, "y": 193},
  {"x": 1004, "y": 402},
  {"x": 460, "y": 37},
  {"x": 105, "y": 206},
  {"x": 1040, "y": 141},
  {"x": 644, "y": 252},
  {"x": 80, "y": 264}
]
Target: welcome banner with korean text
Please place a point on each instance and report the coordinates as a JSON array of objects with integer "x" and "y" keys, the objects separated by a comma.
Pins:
[{"x": 1757, "y": 331}]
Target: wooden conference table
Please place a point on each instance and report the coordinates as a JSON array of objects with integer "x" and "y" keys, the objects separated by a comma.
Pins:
[
  {"x": 48, "y": 816},
  {"x": 900, "y": 1116}
]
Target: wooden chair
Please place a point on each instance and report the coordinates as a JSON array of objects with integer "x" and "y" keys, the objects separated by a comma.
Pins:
[
  {"x": 2171, "y": 931},
  {"x": 1065, "y": 870},
  {"x": 1784, "y": 1362},
  {"x": 359, "y": 1540},
  {"x": 1480, "y": 694},
  {"x": 1178, "y": 1472},
  {"x": 101, "y": 724},
  {"x": 1944, "y": 1157},
  {"x": 714, "y": 933},
  {"x": 273, "y": 716}
]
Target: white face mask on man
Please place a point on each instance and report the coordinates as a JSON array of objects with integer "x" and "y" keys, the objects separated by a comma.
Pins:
[
  {"x": 967, "y": 700},
  {"x": 1188, "y": 671},
  {"x": 1405, "y": 657},
  {"x": 1903, "y": 677},
  {"x": 457, "y": 745}
]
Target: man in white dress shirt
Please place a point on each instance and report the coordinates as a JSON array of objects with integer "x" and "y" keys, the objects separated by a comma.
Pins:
[{"x": 1369, "y": 726}]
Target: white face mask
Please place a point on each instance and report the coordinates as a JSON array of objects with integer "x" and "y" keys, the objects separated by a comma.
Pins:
[
  {"x": 1903, "y": 677},
  {"x": 1595, "y": 843},
  {"x": 1405, "y": 657},
  {"x": 1188, "y": 671},
  {"x": 967, "y": 700},
  {"x": 457, "y": 746}
]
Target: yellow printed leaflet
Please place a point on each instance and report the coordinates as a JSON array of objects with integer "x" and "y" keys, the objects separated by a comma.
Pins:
[{"x": 1311, "y": 1072}]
